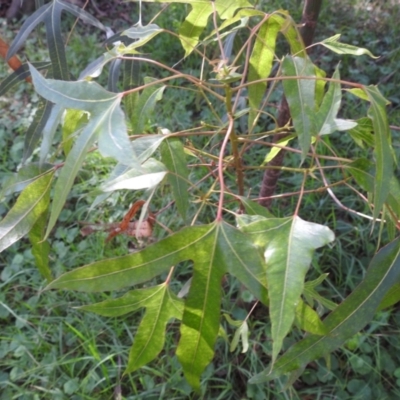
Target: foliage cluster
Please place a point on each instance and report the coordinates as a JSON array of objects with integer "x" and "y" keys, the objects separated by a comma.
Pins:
[{"x": 204, "y": 171}]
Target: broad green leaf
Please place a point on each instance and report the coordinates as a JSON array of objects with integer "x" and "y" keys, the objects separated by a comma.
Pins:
[
  {"x": 36, "y": 127},
  {"x": 107, "y": 119},
  {"x": 72, "y": 119},
  {"x": 174, "y": 158},
  {"x": 347, "y": 319},
  {"x": 333, "y": 44},
  {"x": 300, "y": 94},
  {"x": 32, "y": 202},
  {"x": 325, "y": 117},
  {"x": 19, "y": 75},
  {"x": 84, "y": 95},
  {"x": 382, "y": 151},
  {"x": 150, "y": 174},
  {"x": 260, "y": 63},
  {"x": 215, "y": 250},
  {"x": 161, "y": 306},
  {"x": 145, "y": 106},
  {"x": 40, "y": 247},
  {"x": 145, "y": 146},
  {"x": 308, "y": 320},
  {"x": 288, "y": 245}
]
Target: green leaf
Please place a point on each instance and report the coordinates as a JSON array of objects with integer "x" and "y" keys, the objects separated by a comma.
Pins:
[
  {"x": 72, "y": 119},
  {"x": 145, "y": 146},
  {"x": 174, "y": 158},
  {"x": 288, "y": 245},
  {"x": 50, "y": 15},
  {"x": 347, "y": 319},
  {"x": 391, "y": 298},
  {"x": 49, "y": 130},
  {"x": 141, "y": 34},
  {"x": 362, "y": 133},
  {"x": 131, "y": 76},
  {"x": 19, "y": 75},
  {"x": 161, "y": 306},
  {"x": 276, "y": 150},
  {"x": 241, "y": 334},
  {"x": 36, "y": 128},
  {"x": 325, "y": 117},
  {"x": 150, "y": 174},
  {"x": 215, "y": 249},
  {"x": 196, "y": 21},
  {"x": 382, "y": 151},
  {"x": 333, "y": 44},
  {"x": 145, "y": 106},
  {"x": 32, "y": 202},
  {"x": 68, "y": 173},
  {"x": 308, "y": 320},
  {"x": 26, "y": 175},
  {"x": 300, "y": 95},
  {"x": 260, "y": 63},
  {"x": 253, "y": 208},
  {"x": 40, "y": 247},
  {"x": 311, "y": 294}
]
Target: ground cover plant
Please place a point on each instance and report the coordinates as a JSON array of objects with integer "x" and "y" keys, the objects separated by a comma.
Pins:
[{"x": 202, "y": 172}]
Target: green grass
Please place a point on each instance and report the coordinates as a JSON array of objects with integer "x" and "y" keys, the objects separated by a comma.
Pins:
[{"x": 50, "y": 350}]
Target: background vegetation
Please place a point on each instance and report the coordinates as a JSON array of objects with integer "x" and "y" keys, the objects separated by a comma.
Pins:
[{"x": 48, "y": 350}]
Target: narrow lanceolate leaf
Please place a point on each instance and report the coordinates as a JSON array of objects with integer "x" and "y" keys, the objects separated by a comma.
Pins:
[
  {"x": 347, "y": 319},
  {"x": 288, "y": 245},
  {"x": 27, "y": 174},
  {"x": 19, "y": 75},
  {"x": 174, "y": 158},
  {"x": 68, "y": 174},
  {"x": 150, "y": 174},
  {"x": 333, "y": 44},
  {"x": 49, "y": 130},
  {"x": 72, "y": 120},
  {"x": 31, "y": 203},
  {"x": 36, "y": 127},
  {"x": 382, "y": 152},
  {"x": 40, "y": 247},
  {"x": 50, "y": 15},
  {"x": 161, "y": 306},
  {"x": 326, "y": 115},
  {"x": 215, "y": 250},
  {"x": 300, "y": 94},
  {"x": 144, "y": 106},
  {"x": 260, "y": 63}
]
